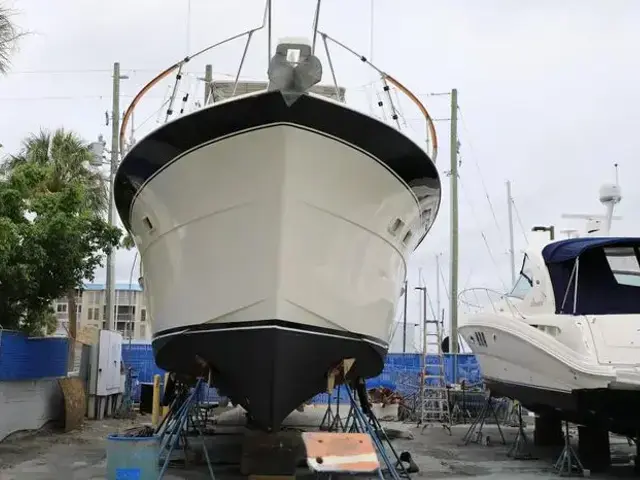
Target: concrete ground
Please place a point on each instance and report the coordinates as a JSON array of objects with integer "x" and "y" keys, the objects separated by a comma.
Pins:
[{"x": 80, "y": 455}]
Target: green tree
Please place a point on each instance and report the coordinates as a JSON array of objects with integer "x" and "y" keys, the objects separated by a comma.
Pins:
[
  {"x": 67, "y": 160},
  {"x": 9, "y": 35},
  {"x": 50, "y": 241}
]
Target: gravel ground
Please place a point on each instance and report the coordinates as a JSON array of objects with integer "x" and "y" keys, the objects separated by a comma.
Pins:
[{"x": 80, "y": 455}]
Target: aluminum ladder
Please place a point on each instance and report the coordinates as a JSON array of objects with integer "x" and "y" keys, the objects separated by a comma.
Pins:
[{"x": 434, "y": 397}]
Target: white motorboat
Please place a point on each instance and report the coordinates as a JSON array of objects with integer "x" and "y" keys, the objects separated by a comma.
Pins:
[
  {"x": 274, "y": 228},
  {"x": 566, "y": 339}
]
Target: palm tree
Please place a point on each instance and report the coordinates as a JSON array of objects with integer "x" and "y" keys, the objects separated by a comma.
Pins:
[
  {"x": 9, "y": 34},
  {"x": 69, "y": 159}
]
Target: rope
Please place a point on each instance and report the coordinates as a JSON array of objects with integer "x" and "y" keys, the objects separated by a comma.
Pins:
[
  {"x": 524, "y": 232},
  {"x": 482, "y": 182},
  {"x": 482, "y": 234}
]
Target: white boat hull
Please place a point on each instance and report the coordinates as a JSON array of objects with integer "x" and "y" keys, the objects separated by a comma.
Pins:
[
  {"x": 255, "y": 229},
  {"x": 277, "y": 238},
  {"x": 527, "y": 364}
]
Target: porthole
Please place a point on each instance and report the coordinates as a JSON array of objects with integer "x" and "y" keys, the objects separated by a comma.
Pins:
[
  {"x": 396, "y": 226},
  {"x": 147, "y": 223}
]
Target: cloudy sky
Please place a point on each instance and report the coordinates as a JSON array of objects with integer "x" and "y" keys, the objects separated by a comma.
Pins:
[{"x": 548, "y": 94}]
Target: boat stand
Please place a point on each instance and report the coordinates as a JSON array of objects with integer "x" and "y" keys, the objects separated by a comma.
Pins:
[
  {"x": 568, "y": 463},
  {"x": 348, "y": 446},
  {"x": 362, "y": 420},
  {"x": 519, "y": 449},
  {"x": 474, "y": 434},
  {"x": 332, "y": 422},
  {"x": 184, "y": 412}
]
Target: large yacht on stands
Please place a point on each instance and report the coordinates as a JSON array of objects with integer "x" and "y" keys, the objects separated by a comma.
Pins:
[
  {"x": 566, "y": 339},
  {"x": 275, "y": 227}
]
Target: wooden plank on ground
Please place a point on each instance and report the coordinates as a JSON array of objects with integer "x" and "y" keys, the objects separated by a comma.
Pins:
[{"x": 75, "y": 402}]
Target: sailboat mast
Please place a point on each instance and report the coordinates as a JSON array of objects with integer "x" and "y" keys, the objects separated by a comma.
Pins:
[
  {"x": 438, "y": 284},
  {"x": 404, "y": 319},
  {"x": 512, "y": 258}
]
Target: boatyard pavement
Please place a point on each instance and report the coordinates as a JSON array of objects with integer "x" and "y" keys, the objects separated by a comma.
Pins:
[{"x": 80, "y": 455}]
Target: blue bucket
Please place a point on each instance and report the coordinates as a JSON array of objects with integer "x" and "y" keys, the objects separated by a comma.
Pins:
[{"x": 132, "y": 458}]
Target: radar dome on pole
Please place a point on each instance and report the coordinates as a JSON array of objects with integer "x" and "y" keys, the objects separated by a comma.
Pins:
[{"x": 610, "y": 193}]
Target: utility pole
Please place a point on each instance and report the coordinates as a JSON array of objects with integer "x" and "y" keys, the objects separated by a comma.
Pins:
[
  {"x": 438, "y": 283},
  {"x": 404, "y": 324},
  {"x": 115, "y": 144},
  {"x": 453, "y": 306},
  {"x": 208, "y": 79},
  {"x": 512, "y": 257}
]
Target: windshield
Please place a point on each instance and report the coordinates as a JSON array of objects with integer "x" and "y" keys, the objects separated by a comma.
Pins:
[
  {"x": 624, "y": 265},
  {"x": 524, "y": 283}
]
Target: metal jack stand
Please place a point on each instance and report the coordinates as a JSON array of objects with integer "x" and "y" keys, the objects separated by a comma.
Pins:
[
  {"x": 329, "y": 417},
  {"x": 172, "y": 429},
  {"x": 331, "y": 421},
  {"x": 476, "y": 435},
  {"x": 519, "y": 448},
  {"x": 568, "y": 463},
  {"x": 365, "y": 421}
]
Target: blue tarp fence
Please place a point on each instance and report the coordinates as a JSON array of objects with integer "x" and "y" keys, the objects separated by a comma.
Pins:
[
  {"x": 401, "y": 371},
  {"x": 27, "y": 358}
]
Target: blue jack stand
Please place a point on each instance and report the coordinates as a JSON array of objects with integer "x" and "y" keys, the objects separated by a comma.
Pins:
[
  {"x": 172, "y": 431},
  {"x": 363, "y": 420}
]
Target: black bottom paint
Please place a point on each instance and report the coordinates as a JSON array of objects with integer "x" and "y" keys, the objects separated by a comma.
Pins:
[
  {"x": 613, "y": 410},
  {"x": 269, "y": 369}
]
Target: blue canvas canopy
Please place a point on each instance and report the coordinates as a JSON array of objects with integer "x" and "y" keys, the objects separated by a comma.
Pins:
[
  {"x": 572, "y": 248},
  {"x": 583, "y": 261}
]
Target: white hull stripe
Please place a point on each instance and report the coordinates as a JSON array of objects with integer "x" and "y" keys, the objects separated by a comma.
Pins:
[
  {"x": 188, "y": 331},
  {"x": 330, "y": 462}
]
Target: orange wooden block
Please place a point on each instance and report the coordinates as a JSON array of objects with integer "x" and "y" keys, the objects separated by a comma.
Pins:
[{"x": 340, "y": 452}]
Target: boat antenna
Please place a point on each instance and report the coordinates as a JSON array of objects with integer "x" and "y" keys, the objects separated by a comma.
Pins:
[
  {"x": 371, "y": 30},
  {"x": 316, "y": 19},
  {"x": 610, "y": 195},
  {"x": 267, "y": 13}
]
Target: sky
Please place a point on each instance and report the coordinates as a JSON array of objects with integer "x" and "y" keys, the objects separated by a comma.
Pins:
[{"x": 547, "y": 92}]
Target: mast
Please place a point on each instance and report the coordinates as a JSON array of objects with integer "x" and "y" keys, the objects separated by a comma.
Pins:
[
  {"x": 404, "y": 322},
  {"x": 438, "y": 273},
  {"x": 511, "y": 249}
]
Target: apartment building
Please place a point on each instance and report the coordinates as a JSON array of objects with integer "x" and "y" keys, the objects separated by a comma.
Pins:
[{"x": 129, "y": 310}]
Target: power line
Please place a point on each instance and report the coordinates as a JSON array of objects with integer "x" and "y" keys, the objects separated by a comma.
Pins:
[
  {"x": 482, "y": 234},
  {"x": 67, "y": 97},
  {"x": 102, "y": 71},
  {"x": 57, "y": 72},
  {"x": 482, "y": 182},
  {"x": 515, "y": 209}
]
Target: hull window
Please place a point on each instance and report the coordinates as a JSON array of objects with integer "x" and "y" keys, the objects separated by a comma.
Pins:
[
  {"x": 396, "y": 226},
  {"x": 147, "y": 223}
]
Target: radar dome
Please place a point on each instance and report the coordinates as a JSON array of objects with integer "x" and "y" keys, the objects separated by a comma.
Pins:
[{"x": 610, "y": 192}]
